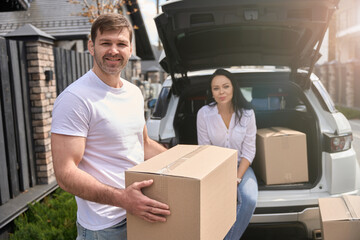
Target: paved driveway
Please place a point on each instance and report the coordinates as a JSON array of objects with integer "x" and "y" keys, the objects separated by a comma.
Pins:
[{"x": 355, "y": 125}]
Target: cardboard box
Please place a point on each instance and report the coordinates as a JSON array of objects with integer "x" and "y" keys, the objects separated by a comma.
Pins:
[
  {"x": 340, "y": 218},
  {"x": 199, "y": 185},
  {"x": 281, "y": 156}
]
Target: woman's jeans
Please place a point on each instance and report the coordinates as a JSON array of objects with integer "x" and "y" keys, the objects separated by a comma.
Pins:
[
  {"x": 115, "y": 232},
  {"x": 247, "y": 194}
]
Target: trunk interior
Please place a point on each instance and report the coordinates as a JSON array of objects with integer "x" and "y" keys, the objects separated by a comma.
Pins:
[{"x": 276, "y": 104}]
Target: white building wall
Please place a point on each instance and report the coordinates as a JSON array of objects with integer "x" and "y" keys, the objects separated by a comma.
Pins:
[{"x": 348, "y": 31}]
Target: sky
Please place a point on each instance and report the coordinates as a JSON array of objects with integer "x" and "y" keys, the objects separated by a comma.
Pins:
[{"x": 148, "y": 11}]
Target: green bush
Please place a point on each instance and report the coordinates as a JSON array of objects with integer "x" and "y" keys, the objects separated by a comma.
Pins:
[
  {"x": 349, "y": 113},
  {"x": 52, "y": 218}
]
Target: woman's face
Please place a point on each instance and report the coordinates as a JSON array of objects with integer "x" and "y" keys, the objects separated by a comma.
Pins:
[{"x": 222, "y": 89}]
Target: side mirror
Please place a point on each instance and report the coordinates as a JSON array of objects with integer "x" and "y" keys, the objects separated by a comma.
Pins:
[{"x": 151, "y": 103}]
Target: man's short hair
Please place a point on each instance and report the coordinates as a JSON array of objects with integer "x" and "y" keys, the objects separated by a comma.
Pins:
[{"x": 109, "y": 22}]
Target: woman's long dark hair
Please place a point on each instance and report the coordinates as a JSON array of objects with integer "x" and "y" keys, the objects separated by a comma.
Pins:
[{"x": 238, "y": 101}]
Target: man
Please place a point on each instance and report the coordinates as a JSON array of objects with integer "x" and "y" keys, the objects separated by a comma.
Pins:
[{"x": 98, "y": 131}]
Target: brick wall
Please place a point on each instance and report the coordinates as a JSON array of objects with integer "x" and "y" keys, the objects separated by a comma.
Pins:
[{"x": 42, "y": 96}]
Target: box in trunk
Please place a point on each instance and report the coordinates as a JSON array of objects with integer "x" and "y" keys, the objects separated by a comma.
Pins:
[{"x": 281, "y": 156}]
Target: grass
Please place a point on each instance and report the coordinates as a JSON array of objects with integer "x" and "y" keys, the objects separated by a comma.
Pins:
[
  {"x": 52, "y": 218},
  {"x": 349, "y": 113}
]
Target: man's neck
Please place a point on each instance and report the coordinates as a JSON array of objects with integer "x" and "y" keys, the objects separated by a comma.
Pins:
[{"x": 112, "y": 80}]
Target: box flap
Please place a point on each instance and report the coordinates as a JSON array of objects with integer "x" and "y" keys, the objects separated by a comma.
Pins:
[
  {"x": 336, "y": 209},
  {"x": 277, "y": 132},
  {"x": 353, "y": 205},
  {"x": 192, "y": 161}
]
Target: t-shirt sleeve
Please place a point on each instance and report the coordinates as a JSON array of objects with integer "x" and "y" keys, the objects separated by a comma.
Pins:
[{"x": 70, "y": 116}]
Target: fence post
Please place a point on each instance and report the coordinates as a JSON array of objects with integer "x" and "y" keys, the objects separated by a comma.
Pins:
[{"x": 42, "y": 89}]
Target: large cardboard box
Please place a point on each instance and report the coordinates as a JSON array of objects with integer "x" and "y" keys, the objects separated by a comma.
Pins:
[
  {"x": 340, "y": 218},
  {"x": 199, "y": 185},
  {"x": 281, "y": 156}
]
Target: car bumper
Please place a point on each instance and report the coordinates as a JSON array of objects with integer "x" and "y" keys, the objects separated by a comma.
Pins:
[
  {"x": 293, "y": 208},
  {"x": 310, "y": 217}
]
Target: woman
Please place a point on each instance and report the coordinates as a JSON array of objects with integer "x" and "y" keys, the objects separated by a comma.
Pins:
[{"x": 228, "y": 121}]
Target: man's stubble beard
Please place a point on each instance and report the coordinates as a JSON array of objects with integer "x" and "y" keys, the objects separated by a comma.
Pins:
[{"x": 101, "y": 62}]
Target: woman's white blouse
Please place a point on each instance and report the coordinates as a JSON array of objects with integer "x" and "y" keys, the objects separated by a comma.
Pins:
[{"x": 211, "y": 130}]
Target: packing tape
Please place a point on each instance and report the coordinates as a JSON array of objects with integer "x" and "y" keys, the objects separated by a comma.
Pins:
[
  {"x": 171, "y": 166},
  {"x": 275, "y": 129},
  {"x": 351, "y": 212}
]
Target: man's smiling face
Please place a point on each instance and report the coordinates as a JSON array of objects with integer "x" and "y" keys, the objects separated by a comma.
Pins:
[{"x": 111, "y": 51}]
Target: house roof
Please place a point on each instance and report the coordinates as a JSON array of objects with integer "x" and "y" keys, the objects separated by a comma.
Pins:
[
  {"x": 59, "y": 19},
  {"x": 143, "y": 46},
  {"x": 47, "y": 16},
  {"x": 28, "y": 30},
  {"x": 153, "y": 69},
  {"x": 134, "y": 58},
  {"x": 152, "y": 65}
]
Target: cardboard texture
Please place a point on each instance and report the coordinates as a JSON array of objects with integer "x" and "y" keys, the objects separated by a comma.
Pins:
[
  {"x": 281, "y": 156},
  {"x": 199, "y": 185},
  {"x": 340, "y": 218}
]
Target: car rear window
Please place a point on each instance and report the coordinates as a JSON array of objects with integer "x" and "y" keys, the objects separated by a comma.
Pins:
[
  {"x": 267, "y": 97},
  {"x": 161, "y": 104}
]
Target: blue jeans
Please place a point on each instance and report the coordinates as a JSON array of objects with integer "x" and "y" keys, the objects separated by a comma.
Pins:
[
  {"x": 247, "y": 194},
  {"x": 117, "y": 231}
]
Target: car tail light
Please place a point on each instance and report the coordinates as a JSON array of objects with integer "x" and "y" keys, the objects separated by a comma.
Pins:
[{"x": 337, "y": 143}]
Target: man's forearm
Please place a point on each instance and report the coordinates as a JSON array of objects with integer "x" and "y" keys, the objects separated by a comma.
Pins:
[
  {"x": 152, "y": 148},
  {"x": 85, "y": 186},
  {"x": 131, "y": 198},
  {"x": 67, "y": 152}
]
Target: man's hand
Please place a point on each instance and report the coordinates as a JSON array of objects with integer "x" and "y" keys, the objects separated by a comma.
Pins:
[{"x": 139, "y": 205}]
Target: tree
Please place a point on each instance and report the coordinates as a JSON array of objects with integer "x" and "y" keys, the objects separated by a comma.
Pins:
[{"x": 93, "y": 8}]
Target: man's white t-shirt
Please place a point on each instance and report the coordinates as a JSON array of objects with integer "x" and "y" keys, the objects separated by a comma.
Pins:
[{"x": 112, "y": 121}]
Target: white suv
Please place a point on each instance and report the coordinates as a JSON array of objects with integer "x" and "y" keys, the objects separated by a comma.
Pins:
[{"x": 271, "y": 47}]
